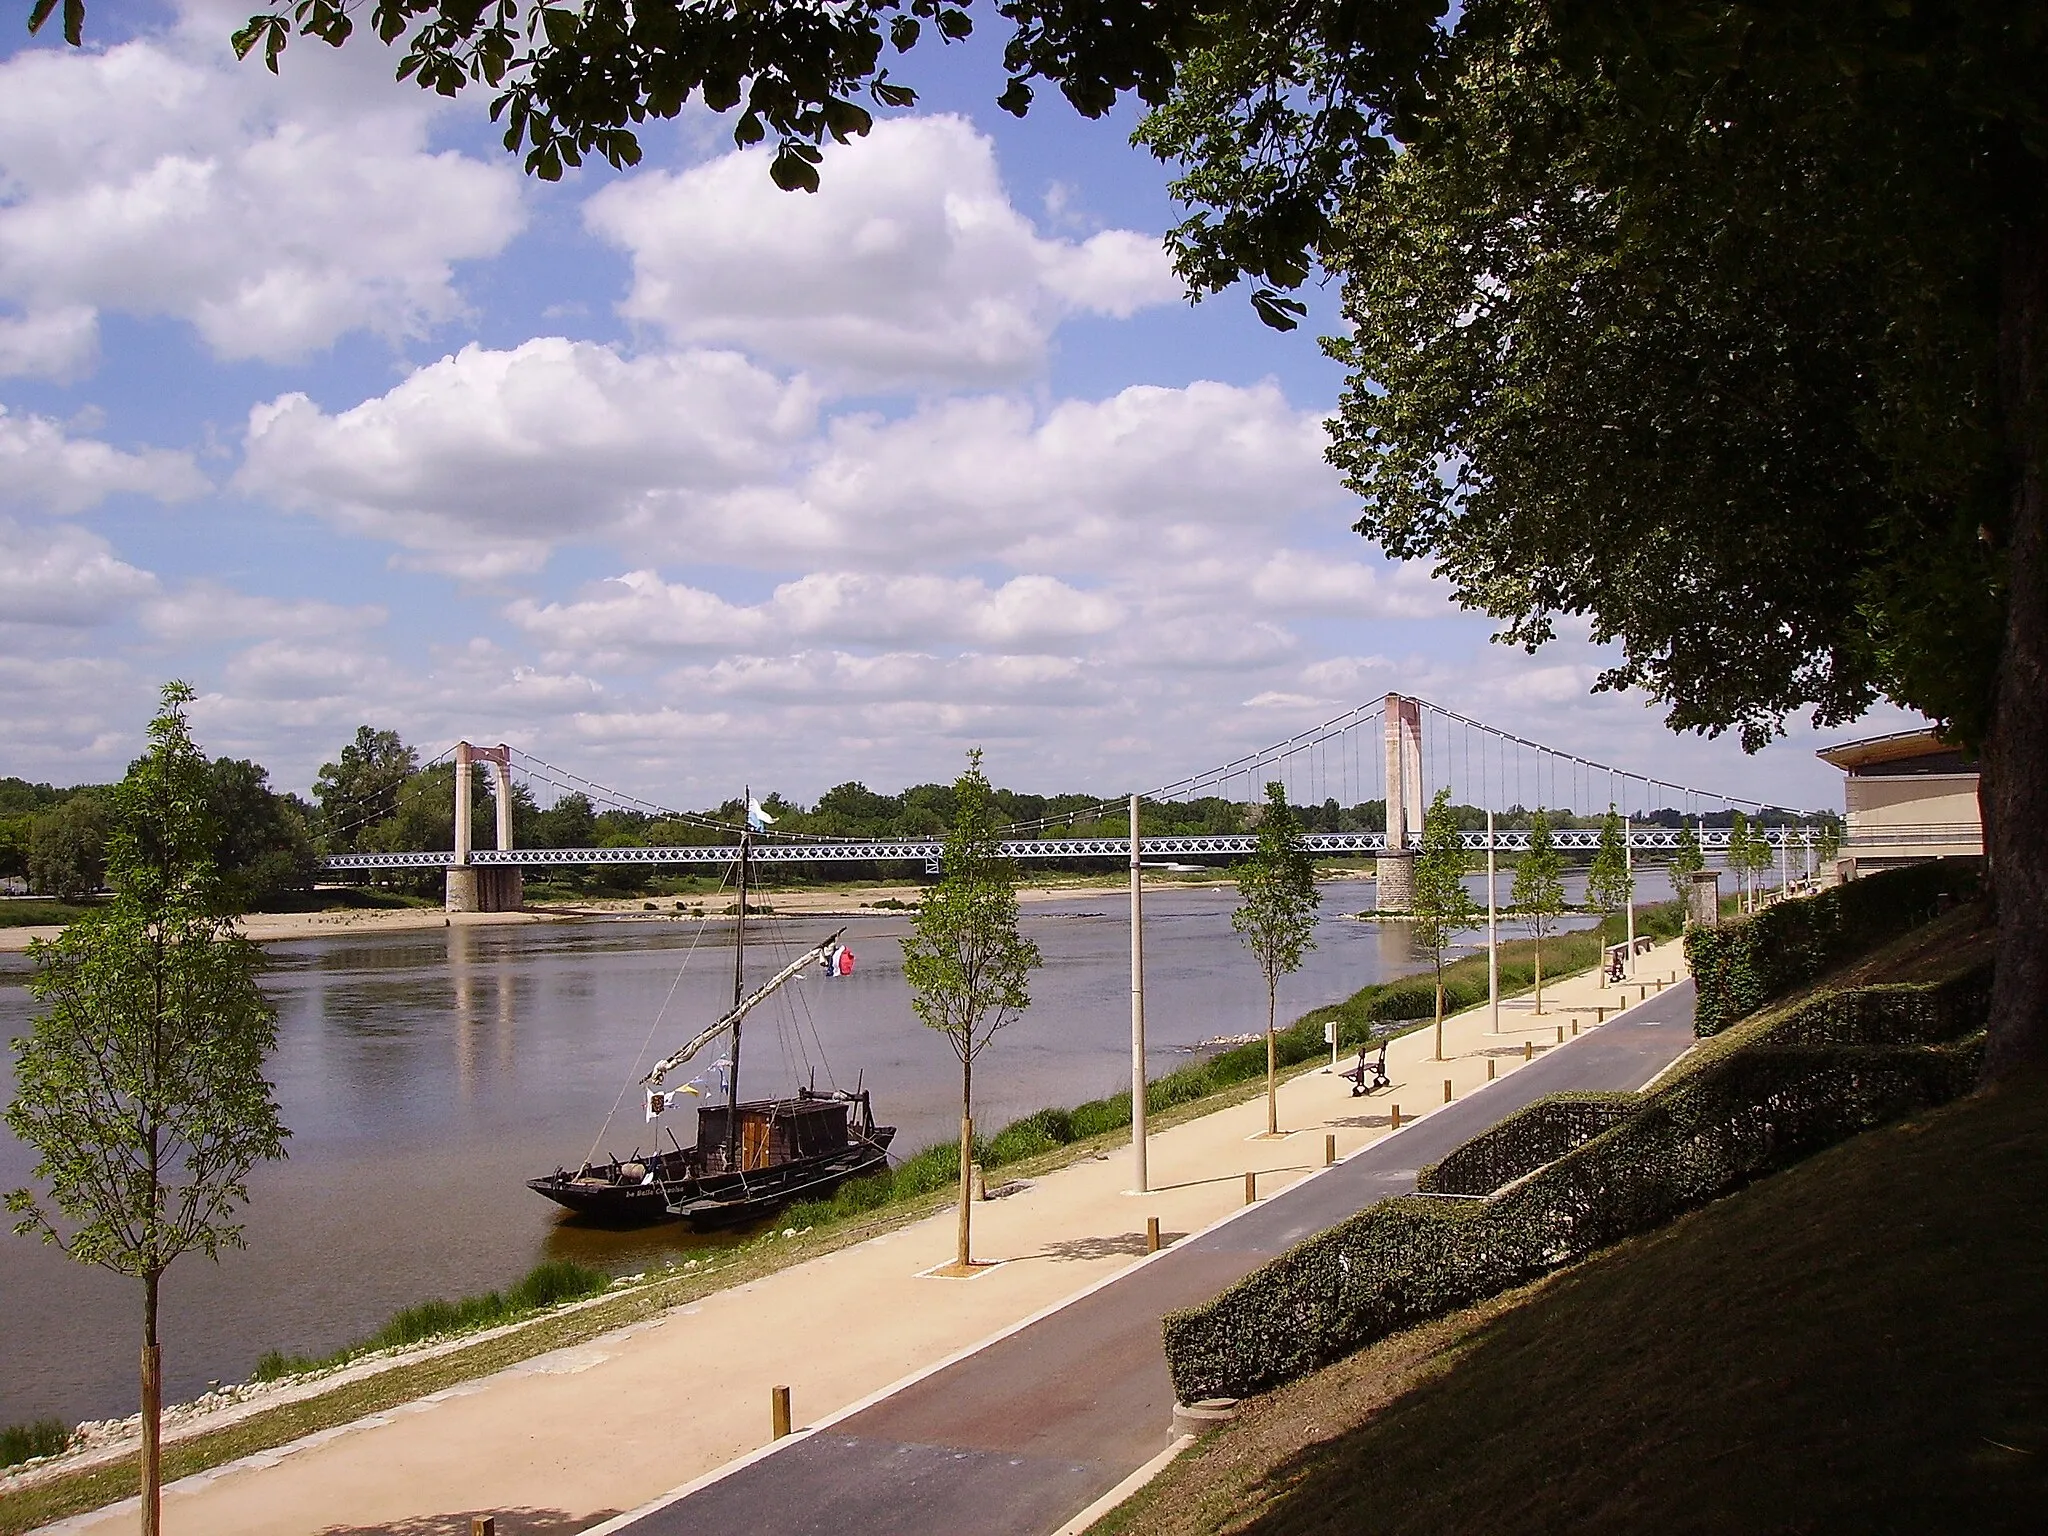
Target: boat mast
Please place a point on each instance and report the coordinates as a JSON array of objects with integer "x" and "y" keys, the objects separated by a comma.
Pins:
[{"x": 739, "y": 993}]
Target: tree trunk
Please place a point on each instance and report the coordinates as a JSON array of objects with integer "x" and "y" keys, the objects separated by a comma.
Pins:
[
  {"x": 964, "y": 1257},
  {"x": 1272, "y": 1063},
  {"x": 2016, "y": 830},
  {"x": 1539, "y": 975},
  {"x": 152, "y": 1412},
  {"x": 1439, "y": 1011}
]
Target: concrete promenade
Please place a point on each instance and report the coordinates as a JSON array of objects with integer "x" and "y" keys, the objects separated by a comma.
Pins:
[{"x": 1015, "y": 1436}]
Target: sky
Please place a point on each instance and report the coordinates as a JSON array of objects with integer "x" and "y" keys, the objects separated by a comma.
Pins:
[{"x": 310, "y": 397}]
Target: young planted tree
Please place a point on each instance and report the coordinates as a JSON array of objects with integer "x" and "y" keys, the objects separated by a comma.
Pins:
[
  {"x": 1276, "y": 916},
  {"x": 1538, "y": 890},
  {"x": 1747, "y": 853},
  {"x": 1443, "y": 908},
  {"x": 965, "y": 961},
  {"x": 1686, "y": 861},
  {"x": 1611, "y": 885},
  {"x": 141, "y": 1083}
]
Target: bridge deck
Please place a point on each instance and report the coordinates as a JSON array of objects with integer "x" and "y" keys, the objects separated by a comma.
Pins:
[{"x": 928, "y": 850}]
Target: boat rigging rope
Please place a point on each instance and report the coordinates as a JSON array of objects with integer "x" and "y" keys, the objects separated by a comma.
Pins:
[{"x": 660, "y": 1014}]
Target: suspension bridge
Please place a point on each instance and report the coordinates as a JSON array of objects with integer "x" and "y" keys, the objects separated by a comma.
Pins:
[{"x": 1390, "y": 750}]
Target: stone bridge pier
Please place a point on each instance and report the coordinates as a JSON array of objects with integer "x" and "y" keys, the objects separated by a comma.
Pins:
[
  {"x": 488, "y": 887},
  {"x": 1394, "y": 871}
]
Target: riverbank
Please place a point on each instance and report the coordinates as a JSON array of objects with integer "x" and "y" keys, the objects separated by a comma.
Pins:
[
  {"x": 474, "y": 1436},
  {"x": 852, "y": 901}
]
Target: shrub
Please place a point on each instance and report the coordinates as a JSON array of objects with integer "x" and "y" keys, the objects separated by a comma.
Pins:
[
  {"x": 1743, "y": 966},
  {"x": 1784, "y": 1094},
  {"x": 1531, "y": 1137},
  {"x": 24, "y": 1442}
]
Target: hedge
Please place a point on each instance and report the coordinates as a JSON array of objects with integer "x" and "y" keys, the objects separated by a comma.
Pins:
[
  {"x": 1793, "y": 1089},
  {"x": 1745, "y": 965},
  {"x": 1531, "y": 1137}
]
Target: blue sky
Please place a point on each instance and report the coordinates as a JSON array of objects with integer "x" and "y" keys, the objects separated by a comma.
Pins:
[{"x": 313, "y": 399}]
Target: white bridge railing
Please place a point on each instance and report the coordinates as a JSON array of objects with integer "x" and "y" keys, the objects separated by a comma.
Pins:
[{"x": 927, "y": 850}]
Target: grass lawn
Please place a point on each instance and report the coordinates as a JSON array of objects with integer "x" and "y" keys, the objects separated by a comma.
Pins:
[
  {"x": 38, "y": 912},
  {"x": 1857, "y": 1344}
]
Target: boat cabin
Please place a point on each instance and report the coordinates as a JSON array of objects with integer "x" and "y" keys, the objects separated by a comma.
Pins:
[{"x": 772, "y": 1131}]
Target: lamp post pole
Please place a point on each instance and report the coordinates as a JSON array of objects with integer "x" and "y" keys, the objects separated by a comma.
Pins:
[
  {"x": 1137, "y": 1008},
  {"x": 1492, "y": 936}
]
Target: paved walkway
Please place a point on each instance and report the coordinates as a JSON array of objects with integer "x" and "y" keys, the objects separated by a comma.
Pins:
[
  {"x": 1022, "y": 1435},
  {"x": 567, "y": 1440}
]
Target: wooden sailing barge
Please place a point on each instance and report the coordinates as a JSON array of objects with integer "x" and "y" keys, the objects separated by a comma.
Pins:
[{"x": 750, "y": 1158}]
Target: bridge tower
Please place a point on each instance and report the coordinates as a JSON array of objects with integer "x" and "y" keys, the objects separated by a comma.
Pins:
[
  {"x": 490, "y": 887},
  {"x": 1395, "y": 868}
]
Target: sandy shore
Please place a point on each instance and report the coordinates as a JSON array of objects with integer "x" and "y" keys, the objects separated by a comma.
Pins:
[
  {"x": 687, "y": 1392},
  {"x": 855, "y": 901}
]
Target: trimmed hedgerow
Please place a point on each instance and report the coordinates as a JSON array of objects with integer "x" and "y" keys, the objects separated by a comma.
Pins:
[
  {"x": 1745, "y": 965},
  {"x": 1774, "y": 1100},
  {"x": 1541, "y": 1133}
]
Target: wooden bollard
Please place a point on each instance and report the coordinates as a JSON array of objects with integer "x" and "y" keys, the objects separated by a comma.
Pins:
[
  {"x": 1329, "y": 1149},
  {"x": 1395, "y": 1120},
  {"x": 483, "y": 1525},
  {"x": 1560, "y": 1034},
  {"x": 1447, "y": 1090},
  {"x": 1575, "y": 1026},
  {"x": 1600, "y": 1015},
  {"x": 1490, "y": 1065},
  {"x": 778, "y": 1409},
  {"x": 1251, "y": 1188},
  {"x": 1151, "y": 1234},
  {"x": 1528, "y": 1050}
]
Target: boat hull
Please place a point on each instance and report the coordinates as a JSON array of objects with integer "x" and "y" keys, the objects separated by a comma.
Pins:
[
  {"x": 716, "y": 1201},
  {"x": 738, "y": 1199}
]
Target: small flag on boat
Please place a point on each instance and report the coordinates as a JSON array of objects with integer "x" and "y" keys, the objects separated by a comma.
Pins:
[
  {"x": 757, "y": 818},
  {"x": 657, "y": 1100}
]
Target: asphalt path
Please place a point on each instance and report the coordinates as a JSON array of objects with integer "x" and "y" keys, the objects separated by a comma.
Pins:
[{"x": 1021, "y": 1435}]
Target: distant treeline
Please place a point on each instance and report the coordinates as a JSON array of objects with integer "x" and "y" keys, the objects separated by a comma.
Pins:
[{"x": 376, "y": 796}]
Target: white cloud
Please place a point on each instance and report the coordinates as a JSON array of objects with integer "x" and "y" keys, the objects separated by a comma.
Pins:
[
  {"x": 64, "y": 576},
  {"x": 59, "y": 343},
  {"x": 638, "y": 615},
  {"x": 482, "y": 462},
  {"x": 910, "y": 265},
  {"x": 210, "y": 610},
  {"x": 44, "y": 467},
  {"x": 1302, "y": 581},
  {"x": 162, "y": 177}
]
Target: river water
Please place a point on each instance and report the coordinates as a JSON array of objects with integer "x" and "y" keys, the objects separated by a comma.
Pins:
[{"x": 425, "y": 1076}]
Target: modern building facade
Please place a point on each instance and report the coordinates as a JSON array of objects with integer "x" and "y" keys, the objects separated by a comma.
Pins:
[{"x": 1910, "y": 796}]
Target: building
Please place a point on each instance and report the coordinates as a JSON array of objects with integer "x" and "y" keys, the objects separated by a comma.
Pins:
[{"x": 1910, "y": 796}]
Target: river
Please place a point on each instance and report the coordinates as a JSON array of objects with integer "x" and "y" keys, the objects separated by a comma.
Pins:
[{"x": 426, "y": 1075}]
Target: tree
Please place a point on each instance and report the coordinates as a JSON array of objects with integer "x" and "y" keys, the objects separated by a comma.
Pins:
[
  {"x": 1538, "y": 890},
  {"x": 1611, "y": 885},
  {"x": 1731, "y": 321},
  {"x": 1443, "y": 908},
  {"x": 361, "y": 789},
  {"x": 263, "y": 846},
  {"x": 1276, "y": 916},
  {"x": 1748, "y": 855},
  {"x": 140, "y": 1085},
  {"x": 966, "y": 964},
  {"x": 1686, "y": 860},
  {"x": 67, "y": 851}
]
